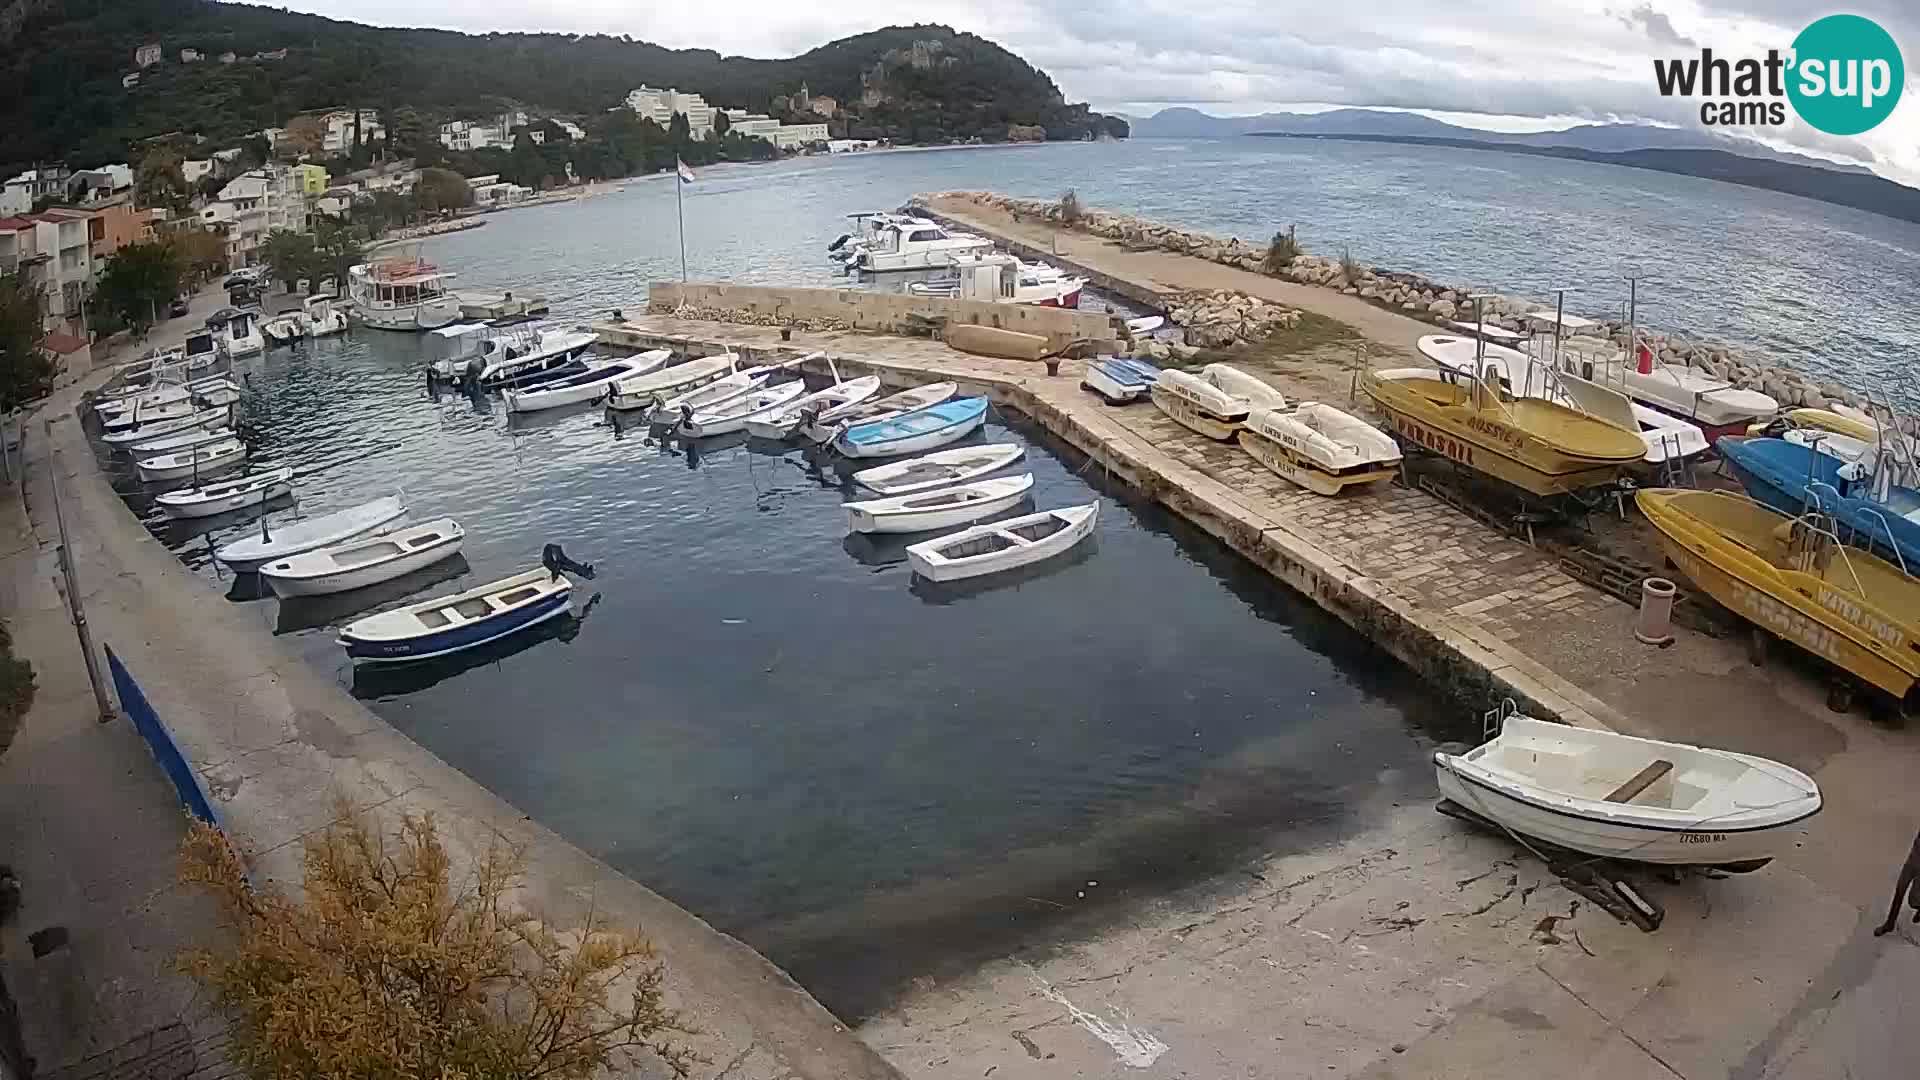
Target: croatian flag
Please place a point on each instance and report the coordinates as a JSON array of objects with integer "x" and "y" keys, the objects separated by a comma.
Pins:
[{"x": 686, "y": 174}]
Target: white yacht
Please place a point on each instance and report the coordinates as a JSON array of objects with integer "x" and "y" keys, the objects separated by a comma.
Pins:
[
  {"x": 236, "y": 333},
  {"x": 1002, "y": 279},
  {"x": 402, "y": 294},
  {"x": 916, "y": 245},
  {"x": 866, "y": 229}
]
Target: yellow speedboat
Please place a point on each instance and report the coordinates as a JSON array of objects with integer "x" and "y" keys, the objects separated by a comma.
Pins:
[
  {"x": 1534, "y": 444},
  {"x": 1789, "y": 576},
  {"x": 1837, "y": 423}
]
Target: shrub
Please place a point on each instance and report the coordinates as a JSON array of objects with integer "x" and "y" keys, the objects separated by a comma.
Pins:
[
  {"x": 16, "y": 689},
  {"x": 1349, "y": 267},
  {"x": 1281, "y": 251},
  {"x": 384, "y": 970},
  {"x": 1070, "y": 209}
]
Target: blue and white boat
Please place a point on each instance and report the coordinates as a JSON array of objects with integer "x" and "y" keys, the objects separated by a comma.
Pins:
[
  {"x": 452, "y": 623},
  {"x": 1793, "y": 479},
  {"x": 912, "y": 433},
  {"x": 1120, "y": 379}
]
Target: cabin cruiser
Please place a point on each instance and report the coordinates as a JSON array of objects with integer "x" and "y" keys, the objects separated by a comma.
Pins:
[
  {"x": 916, "y": 245},
  {"x": 1003, "y": 279},
  {"x": 236, "y": 333},
  {"x": 402, "y": 294},
  {"x": 316, "y": 317},
  {"x": 866, "y": 229},
  {"x": 506, "y": 356}
]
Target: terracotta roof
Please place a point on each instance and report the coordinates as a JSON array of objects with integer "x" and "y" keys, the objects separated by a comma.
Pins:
[
  {"x": 15, "y": 224},
  {"x": 63, "y": 343}
]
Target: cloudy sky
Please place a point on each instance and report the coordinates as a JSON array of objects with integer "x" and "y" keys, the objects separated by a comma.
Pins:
[{"x": 1508, "y": 64}]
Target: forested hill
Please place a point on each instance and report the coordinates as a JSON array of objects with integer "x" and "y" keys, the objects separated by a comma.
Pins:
[{"x": 61, "y": 64}]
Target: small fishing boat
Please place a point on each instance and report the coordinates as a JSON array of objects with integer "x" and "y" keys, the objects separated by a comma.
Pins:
[
  {"x": 1873, "y": 513},
  {"x": 1120, "y": 380},
  {"x": 116, "y": 422},
  {"x": 450, "y": 623},
  {"x": 1621, "y": 797},
  {"x": 1215, "y": 402},
  {"x": 914, "y": 432},
  {"x": 199, "y": 461},
  {"x": 941, "y": 509},
  {"x": 956, "y": 466},
  {"x": 1002, "y": 545},
  {"x": 1319, "y": 447},
  {"x": 706, "y": 396},
  {"x": 1539, "y": 446},
  {"x": 209, "y": 499},
  {"x": 359, "y": 563},
  {"x": 784, "y": 421},
  {"x": 148, "y": 430},
  {"x": 218, "y": 390},
  {"x": 294, "y": 537},
  {"x": 733, "y": 415},
  {"x": 647, "y": 391},
  {"x": 1790, "y": 576},
  {"x": 823, "y": 428},
  {"x": 186, "y": 440},
  {"x": 589, "y": 384}
]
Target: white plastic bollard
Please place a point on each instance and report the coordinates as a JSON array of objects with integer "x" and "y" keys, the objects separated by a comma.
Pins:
[{"x": 1655, "y": 625}]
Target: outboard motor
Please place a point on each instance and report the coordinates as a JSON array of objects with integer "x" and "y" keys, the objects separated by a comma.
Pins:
[
  {"x": 838, "y": 244},
  {"x": 556, "y": 561}
]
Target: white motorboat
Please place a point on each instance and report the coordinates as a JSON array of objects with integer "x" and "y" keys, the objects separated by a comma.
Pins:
[
  {"x": 866, "y": 228},
  {"x": 241, "y": 491},
  {"x": 198, "y": 461},
  {"x": 272, "y": 542},
  {"x": 647, "y": 391},
  {"x": 1623, "y": 797},
  {"x": 406, "y": 294},
  {"x": 589, "y": 385},
  {"x": 939, "y": 469},
  {"x": 152, "y": 414},
  {"x": 915, "y": 245},
  {"x": 149, "y": 429},
  {"x": 1319, "y": 447},
  {"x": 824, "y": 427},
  {"x": 733, "y": 415},
  {"x": 1215, "y": 402},
  {"x": 1002, "y": 279},
  {"x": 943, "y": 509},
  {"x": 1002, "y": 545},
  {"x": 236, "y": 333},
  {"x": 359, "y": 563},
  {"x": 1689, "y": 393},
  {"x": 316, "y": 317},
  {"x": 706, "y": 395},
  {"x": 186, "y": 440},
  {"x": 449, "y": 624},
  {"x": 786, "y": 420},
  {"x": 519, "y": 353},
  {"x": 1120, "y": 380}
]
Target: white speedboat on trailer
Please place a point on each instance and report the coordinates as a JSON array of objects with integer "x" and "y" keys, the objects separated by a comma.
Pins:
[
  {"x": 1003, "y": 545},
  {"x": 590, "y": 384},
  {"x": 1622, "y": 797},
  {"x": 1120, "y": 380},
  {"x": 236, "y": 333},
  {"x": 939, "y": 469},
  {"x": 915, "y": 432},
  {"x": 731, "y": 416},
  {"x": 405, "y": 293},
  {"x": 707, "y": 395},
  {"x": 943, "y": 509},
  {"x": 272, "y": 542},
  {"x": 823, "y": 427},
  {"x": 1319, "y": 447},
  {"x": 784, "y": 421},
  {"x": 647, "y": 391},
  {"x": 359, "y": 563},
  {"x": 145, "y": 430},
  {"x": 199, "y": 461},
  {"x": 916, "y": 245},
  {"x": 448, "y": 624},
  {"x": 1215, "y": 402},
  {"x": 237, "y": 493},
  {"x": 186, "y": 440}
]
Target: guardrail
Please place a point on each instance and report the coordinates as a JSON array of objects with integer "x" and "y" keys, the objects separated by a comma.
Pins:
[{"x": 148, "y": 723}]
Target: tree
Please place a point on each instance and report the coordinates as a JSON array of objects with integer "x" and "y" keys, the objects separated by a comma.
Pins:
[
  {"x": 26, "y": 370},
  {"x": 442, "y": 191},
  {"x": 336, "y": 247},
  {"x": 722, "y": 123},
  {"x": 202, "y": 253},
  {"x": 159, "y": 181},
  {"x": 291, "y": 255},
  {"x": 383, "y": 968},
  {"x": 139, "y": 281}
]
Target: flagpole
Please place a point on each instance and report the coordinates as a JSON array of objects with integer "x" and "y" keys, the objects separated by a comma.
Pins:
[{"x": 680, "y": 208}]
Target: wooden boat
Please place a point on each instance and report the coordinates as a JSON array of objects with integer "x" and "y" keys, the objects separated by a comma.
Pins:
[
  {"x": 912, "y": 433},
  {"x": 1120, "y": 380},
  {"x": 1215, "y": 402},
  {"x": 1790, "y": 577},
  {"x": 941, "y": 509},
  {"x": 993, "y": 341},
  {"x": 956, "y": 466},
  {"x": 186, "y": 440},
  {"x": 218, "y": 390},
  {"x": 294, "y": 537},
  {"x": 1319, "y": 447},
  {"x": 1876, "y": 514},
  {"x": 115, "y": 422},
  {"x": 1622, "y": 797},
  {"x": 824, "y": 427},
  {"x": 359, "y": 563},
  {"x": 450, "y": 623},
  {"x": 209, "y": 499},
  {"x": 147, "y": 430},
  {"x": 786, "y": 420},
  {"x": 731, "y": 416},
  {"x": 1536, "y": 445},
  {"x": 646, "y": 391},
  {"x": 199, "y": 461},
  {"x": 1002, "y": 545},
  {"x": 587, "y": 385},
  {"x": 707, "y": 396}
]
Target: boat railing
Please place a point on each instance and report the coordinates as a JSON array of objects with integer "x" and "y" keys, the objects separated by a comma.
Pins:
[
  {"x": 1813, "y": 497},
  {"x": 1815, "y": 534},
  {"x": 1494, "y": 719}
]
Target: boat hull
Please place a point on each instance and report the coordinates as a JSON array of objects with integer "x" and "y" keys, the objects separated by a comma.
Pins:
[
  {"x": 410, "y": 318},
  {"x": 236, "y": 501},
  {"x": 378, "y": 517},
  {"x": 652, "y": 397},
  {"x": 535, "y": 400},
  {"x": 1189, "y": 415},
  {"x": 359, "y": 577},
  {"x": 1790, "y": 478},
  {"x": 943, "y": 570},
  {"x": 875, "y": 517},
  {"x": 1304, "y": 471},
  {"x": 912, "y": 444},
  {"x": 210, "y": 466},
  {"x": 468, "y": 636}
]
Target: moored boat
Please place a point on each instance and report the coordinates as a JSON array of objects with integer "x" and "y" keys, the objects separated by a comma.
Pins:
[
  {"x": 915, "y": 432},
  {"x": 647, "y": 391},
  {"x": 272, "y": 542},
  {"x": 784, "y": 421},
  {"x": 1622, "y": 797},
  {"x": 198, "y": 461},
  {"x": 591, "y": 383},
  {"x": 186, "y": 440},
  {"x": 1002, "y": 545},
  {"x": 706, "y": 396},
  {"x": 1319, "y": 447},
  {"x": 731, "y": 416},
  {"x": 359, "y": 563},
  {"x": 1872, "y": 512},
  {"x": 942, "y": 509},
  {"x": 451, "y": 623},
  {"x": 237, "y": 493},
  {"x": 939, "y": 469},
  {"x": 146, "y": 430},
  {"x": 406, "y": 294},
  {"x": 826, "y": 425}
]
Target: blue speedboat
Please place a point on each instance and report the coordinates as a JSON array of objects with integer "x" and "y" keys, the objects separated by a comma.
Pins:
[
  {"x": 1794, "y": 479},
  {"x": 911, "y": 433}
]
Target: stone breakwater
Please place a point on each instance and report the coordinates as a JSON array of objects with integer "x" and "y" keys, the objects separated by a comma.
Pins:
[
  {"x": 1417, "y": 296},
  {"x": 747, "y": 318}
]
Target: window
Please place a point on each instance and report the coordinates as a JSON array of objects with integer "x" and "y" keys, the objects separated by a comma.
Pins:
[{"x": 924, "y": 234}]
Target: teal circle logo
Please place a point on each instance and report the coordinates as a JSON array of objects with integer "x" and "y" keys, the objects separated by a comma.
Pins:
[{"x": 1847, "y": 74}]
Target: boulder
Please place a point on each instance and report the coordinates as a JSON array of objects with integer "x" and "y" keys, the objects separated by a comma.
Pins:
[{"x": 1441, "y": 308}]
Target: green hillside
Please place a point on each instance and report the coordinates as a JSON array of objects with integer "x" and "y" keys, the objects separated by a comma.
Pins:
[{"x": 61, "y": 63}]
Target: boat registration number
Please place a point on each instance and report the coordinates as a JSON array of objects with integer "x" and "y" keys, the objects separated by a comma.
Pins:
[
  {"x": 1445, "y": 445},
  {"x": 1702, "y": 837}
]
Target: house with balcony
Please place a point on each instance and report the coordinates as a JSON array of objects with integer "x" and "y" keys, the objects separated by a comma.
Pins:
[
  {"x": 19, "y": 193},
  {"x": 62, "y": 235},
  {"x": 254, "y": 204}
]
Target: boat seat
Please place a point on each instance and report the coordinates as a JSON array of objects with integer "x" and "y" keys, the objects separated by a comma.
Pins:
[{"x": 1640, "y": 781}]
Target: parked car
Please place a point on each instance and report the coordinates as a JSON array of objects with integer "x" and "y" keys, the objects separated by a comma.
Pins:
[{"x": 178, "y": 308}]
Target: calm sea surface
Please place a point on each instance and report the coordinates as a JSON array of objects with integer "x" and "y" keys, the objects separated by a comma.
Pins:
[{"x": 870, "y": 779}]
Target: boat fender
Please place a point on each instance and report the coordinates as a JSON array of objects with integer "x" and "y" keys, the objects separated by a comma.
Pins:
[{"x": 556, "y": 561}]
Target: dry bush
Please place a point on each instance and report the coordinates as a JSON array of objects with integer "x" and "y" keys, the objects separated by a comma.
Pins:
[
  {"x": 384, "y": 970},
  {"x": 1349, "y": 266},
  {"x": 1281, "y": 251},
  {"x": 1070, "y": 209}
]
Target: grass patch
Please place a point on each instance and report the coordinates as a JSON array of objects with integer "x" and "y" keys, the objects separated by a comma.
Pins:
[{"x": 1313, "y": 331}]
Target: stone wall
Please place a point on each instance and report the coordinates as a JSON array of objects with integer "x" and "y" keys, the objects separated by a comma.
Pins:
[{"x": 856, "y": 309}]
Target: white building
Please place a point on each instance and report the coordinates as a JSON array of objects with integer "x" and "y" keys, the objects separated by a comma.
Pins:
[
  {"x": 254, "y": 204},
  {"x": 147, "y": 55},
  {"x": 339, "y": 136},
  {"x": 495, "y": 132},
  {"x": 574, "y": 131},
  {"x": 784, "y": 136},
  {"x": 791, "y": 136},
  {"x": 19, "y": 193},
  {"x": 196, "y": 171},
  {"x": 497, "y": 193},
  {"x": 660, "y": 105}
]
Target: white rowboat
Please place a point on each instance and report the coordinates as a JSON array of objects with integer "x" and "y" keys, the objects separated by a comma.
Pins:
[
  {"x": 1003, "y": 545},
  {"x": 1623, "y": 797},
  {"x": 707, "y": 396},
  {"x": 186, "y": 440},
  {"x": 241, "y": 491},
  {"x": 733, "y": 415},
  {"x": 201, "y": 460},
  {"x": 646, "y": 391},
  {"x": 783, "y": 422},
  {"x": 938, "y": 469},
  {"x": 359, "y": 563},
  {"x": 824, "y": 427},
  {"x": 589, "y": 385},
  {"x": 943, "y": 509},
  {"x": 148, "y": 430},
  {"x": 270, "y": 542}
]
